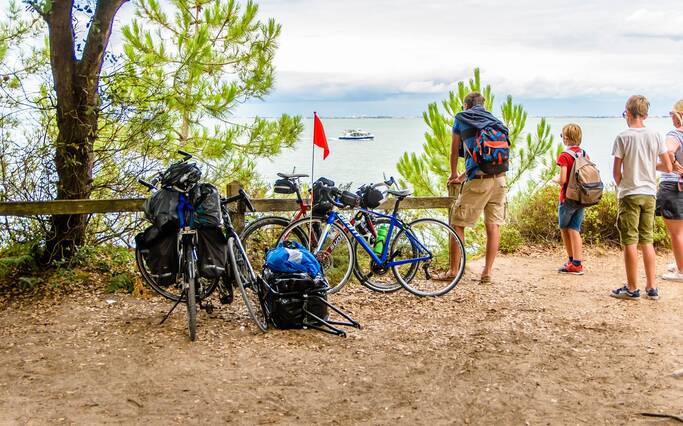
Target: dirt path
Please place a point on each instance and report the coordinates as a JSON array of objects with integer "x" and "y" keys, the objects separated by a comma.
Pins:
[{"x": 534, "y": 348}]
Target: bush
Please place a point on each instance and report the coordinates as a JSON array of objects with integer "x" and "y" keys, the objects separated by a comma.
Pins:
[
  {"x": 510, "y": 239},
  {"x": 535, "y": 217}
]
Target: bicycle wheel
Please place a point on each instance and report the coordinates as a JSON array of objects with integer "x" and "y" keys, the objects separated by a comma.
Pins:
[
  {"x": 248, "y": 283},
  {"x": 262, "y": 235},
  {"x": 336, "y": 256},
  {"x": 369, "y": 273},
  {"x": 190, "y": 275},
  {"x": 173, "y": 291},
  {"x": 429, "y": 239}
]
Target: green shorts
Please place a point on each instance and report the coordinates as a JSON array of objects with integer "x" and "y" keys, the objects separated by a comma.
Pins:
[{"x": 636, "y": 219}]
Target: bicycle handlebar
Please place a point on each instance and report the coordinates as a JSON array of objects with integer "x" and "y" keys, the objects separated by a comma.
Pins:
[
  {"x": 149, "y": 186},
  {"x": 241, "y": 196}
]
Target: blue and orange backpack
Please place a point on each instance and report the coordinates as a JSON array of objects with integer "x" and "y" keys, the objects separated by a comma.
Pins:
[{"x": 490, "y": 150}]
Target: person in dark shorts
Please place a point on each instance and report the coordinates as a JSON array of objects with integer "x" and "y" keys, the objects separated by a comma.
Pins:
[{"x": 670, "y": 193}]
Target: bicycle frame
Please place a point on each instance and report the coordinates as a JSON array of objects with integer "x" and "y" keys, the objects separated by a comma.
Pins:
[{"x": 380, "y": 260}]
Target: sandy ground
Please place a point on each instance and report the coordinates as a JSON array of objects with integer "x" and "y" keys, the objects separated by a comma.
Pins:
[{"x": 532, "y": 348}]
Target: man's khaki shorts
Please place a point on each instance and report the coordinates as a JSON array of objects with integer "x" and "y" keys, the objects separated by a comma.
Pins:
[
  {"x": 636, "y": 219},
  {"x": 481, "y": 195}
]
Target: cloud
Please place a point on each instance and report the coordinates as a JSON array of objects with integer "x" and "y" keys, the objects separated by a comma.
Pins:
[{"x": 655, "y": 24}]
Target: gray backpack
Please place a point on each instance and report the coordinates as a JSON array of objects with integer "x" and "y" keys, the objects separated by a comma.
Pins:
[{"x": 585, "y": 186}]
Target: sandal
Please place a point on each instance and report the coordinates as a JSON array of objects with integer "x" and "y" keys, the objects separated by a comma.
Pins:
[
  {"x": 443, "y": 276},
  {"x": 485, "y": 279}
]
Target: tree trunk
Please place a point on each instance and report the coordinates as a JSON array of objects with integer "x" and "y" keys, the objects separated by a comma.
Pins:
[{"x": 76, "y": 85}]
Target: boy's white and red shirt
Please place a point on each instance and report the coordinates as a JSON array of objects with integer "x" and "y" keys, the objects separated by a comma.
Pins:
[{"x": 566, "y": 160}]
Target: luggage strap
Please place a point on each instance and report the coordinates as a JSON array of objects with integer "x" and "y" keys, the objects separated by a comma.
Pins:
[{"x": 185, "y": 205}]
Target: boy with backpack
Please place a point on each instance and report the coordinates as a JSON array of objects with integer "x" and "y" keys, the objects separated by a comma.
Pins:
[
  {"x": 635, "y": 151},
  {"x": 577, "y": 170},
  {"x": 482, "y": 139}
]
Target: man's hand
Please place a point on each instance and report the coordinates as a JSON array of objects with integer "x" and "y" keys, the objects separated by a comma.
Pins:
[{"x": 456, "y": 178}]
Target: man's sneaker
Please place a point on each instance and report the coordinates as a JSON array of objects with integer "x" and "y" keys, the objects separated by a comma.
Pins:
[
  {"x": 673, "y": 276},
  {"x": 652, "y": 293},
  {"x": 570, "y": 268},
  {"x": 624, "y": 293},
  {"x": 672, "y": 267}
]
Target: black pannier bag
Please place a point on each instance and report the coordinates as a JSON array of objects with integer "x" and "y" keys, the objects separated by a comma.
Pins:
[
  {"x": 162, "y": 209},
  {"x": 284, "y": 299},
  {"x": 206, "y": 201},
  {"x": 295, "y": 300},
  {"x": 321, "y": 206},
  {"x": 371, "y": 197},
  {"x": 160, "y": 252},
  {"x": 349, "y": 199},
  {"x": 182, "y": 176},
  {"x": 284, "y": 186},
  {"x": 212, "y": 252}
]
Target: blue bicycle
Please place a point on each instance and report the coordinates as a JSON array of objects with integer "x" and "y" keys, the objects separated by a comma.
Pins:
[{"x": 425, "y": 256}]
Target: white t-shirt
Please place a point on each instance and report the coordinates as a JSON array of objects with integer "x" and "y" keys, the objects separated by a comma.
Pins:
[{"x": 639, "y": 149}]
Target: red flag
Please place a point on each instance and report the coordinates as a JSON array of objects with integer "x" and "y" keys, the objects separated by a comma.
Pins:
[{"x": 319, "y": 138}]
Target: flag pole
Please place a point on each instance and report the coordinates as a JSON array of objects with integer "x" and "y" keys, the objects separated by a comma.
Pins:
[{"x": 310, "y": 225}]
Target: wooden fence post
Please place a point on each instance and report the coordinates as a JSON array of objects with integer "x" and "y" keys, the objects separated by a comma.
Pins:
[
  {"x": 237, "y": 212},
  {"x": 453, "y": 192}
]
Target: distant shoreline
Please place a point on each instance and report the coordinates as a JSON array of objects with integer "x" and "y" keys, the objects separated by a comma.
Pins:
[{"x": 398, "y": 117}]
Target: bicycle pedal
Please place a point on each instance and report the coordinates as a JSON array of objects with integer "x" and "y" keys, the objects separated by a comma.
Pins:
[
  {"x": 208, "y": 308},
  {"x": 226, "y": 299}
]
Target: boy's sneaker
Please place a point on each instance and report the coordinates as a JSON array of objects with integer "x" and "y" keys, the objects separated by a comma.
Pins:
[
  {"x": 624, "y": 293},
  {"x": 652, "y": 293},
  {"x": 570, "y": 268},
  {"x": 673, "y": 276},
  {"x": 672, "y": 267}
]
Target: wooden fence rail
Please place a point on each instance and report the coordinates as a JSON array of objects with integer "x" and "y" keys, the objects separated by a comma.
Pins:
[{"x": 62, "y": 207}]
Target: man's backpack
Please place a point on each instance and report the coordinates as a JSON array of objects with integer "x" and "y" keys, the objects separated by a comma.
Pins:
[
  {"x": 490, "y": 150},
  {"x": 584, "y": 186}
]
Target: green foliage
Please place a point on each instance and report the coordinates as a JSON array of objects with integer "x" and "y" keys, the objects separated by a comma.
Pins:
[
  {"x": 511, "y": 239},
  {"x": 428, "y": 171},
  {"x": 121, "y": 282},
  {"x": 535, "y": 218},
  {"x": 196, "y": 60}
]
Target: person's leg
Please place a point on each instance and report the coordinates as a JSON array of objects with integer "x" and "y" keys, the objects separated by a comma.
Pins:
[
  {"x": 567, "y": 241},
  {"x": 631, "y": 265},
  {"x": 675, "y": 228},
  {"x": 455, "y": 251},
  {"x": 494, "y": 216},
  {"x": 466, "y": 212},
  {"x": 576, "y": 244},
  {"x": 627, "y": 224},
  {"x": 646, "y": 225},
  {"x": 650, "y": 263},
  {"x": 492, "y": 243}
]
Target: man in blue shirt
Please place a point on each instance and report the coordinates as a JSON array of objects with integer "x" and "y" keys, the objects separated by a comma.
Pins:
[{"x": 480, "y": 192}]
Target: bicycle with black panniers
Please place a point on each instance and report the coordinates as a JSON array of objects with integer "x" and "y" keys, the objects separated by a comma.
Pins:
[{"x": 192, "y": 248}]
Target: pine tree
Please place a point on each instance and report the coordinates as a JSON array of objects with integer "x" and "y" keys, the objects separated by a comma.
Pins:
[{"x": 196, "y": 60}]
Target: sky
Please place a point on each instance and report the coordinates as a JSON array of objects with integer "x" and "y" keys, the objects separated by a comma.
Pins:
[
  {"x": 566, "y": 57},
  {"x": 391, "y": 58}
]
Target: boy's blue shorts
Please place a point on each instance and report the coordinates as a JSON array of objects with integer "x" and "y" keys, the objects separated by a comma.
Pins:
[{"x": 570, "y": 216}]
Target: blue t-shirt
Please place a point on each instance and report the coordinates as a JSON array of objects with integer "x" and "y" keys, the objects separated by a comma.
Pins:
[{"x": 470, "y": 166}]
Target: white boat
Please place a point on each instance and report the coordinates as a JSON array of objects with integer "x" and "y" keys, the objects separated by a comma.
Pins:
[{"x": 356, "y": 135}]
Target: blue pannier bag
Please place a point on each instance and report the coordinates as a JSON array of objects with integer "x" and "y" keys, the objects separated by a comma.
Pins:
[{"x": 291, "y": 257}]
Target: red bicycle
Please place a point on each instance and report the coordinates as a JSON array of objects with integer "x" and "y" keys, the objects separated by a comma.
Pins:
[{"x": 262, "y": 234}]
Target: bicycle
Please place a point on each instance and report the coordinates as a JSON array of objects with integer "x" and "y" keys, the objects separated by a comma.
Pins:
[
  {"x": 189, "y": 287},
  {"x": 421, "y": 244},
  {"x": 263, "y": 234}
]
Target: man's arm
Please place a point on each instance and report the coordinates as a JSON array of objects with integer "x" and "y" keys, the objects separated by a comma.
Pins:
[
  {"x": 456, "y": 141},
  {"x": 616, "y": 170}
]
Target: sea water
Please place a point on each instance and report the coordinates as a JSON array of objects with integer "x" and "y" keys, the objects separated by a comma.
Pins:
[{"x": 364, "y": 161}]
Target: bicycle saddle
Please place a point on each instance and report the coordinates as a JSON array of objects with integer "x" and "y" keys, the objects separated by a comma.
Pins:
[
  {"x": 400, "y": 193},
  {"x": 292, "y": 175}
]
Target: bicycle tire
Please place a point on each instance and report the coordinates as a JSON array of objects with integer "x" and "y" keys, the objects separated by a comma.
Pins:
[
  {"x": 427, "y": 287},
  {"x": 190, "y": 277},
  {"x": 336, "y": 277},
  {"x": 262, "y": 235},
  {"x": 164, "y": 290},
  {"x": 366, "y": 278},
  {"x": 248, "y": 284}
]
